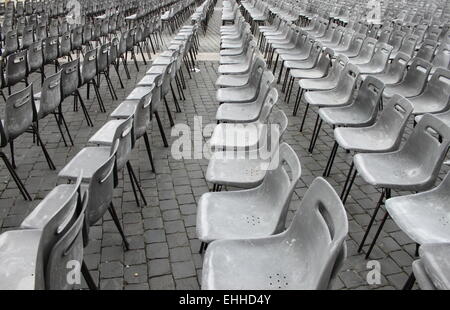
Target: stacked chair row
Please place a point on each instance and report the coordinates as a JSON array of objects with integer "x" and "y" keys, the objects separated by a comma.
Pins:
[
  {"x": 54, "y": 234},
  {"x": 243, "y": 230},
  {"x": 368, "y": 92}
]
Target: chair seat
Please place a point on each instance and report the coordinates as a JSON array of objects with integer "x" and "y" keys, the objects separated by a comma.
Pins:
[
  {"x": 322, "y": 84},
  {"x": 238, "y": 68},
  {"x": 139, "y": 92},
  {"x": 314, "y": 73},
  {"x": 52, "y": 202},
  {"x": 234, "y": 80},
  {"x": 391, "y": 170},
  {"x": 238, "y": 113},
  {"x": 239, "y": 136},
  {"x": 423, "y": 217},
  {"x": 326, "y": 98},
  {"x": 349, "y": 116},
  {"x": 235, "y": 59},
  {"x": 237, "y": 94},
  {"x": 105, "y": 135},
  {"x": 422, "y": 278},
  {"x": 19, "y": 261},
  {"x": 435, "y": 260},
  {"x": 402, "y": 90},
  {"x": 156, "y": 70},
  {"x": 125, "y": 109},
  {"x": 89, "y": 159},
  {"x": 249, "y": 264},
  {"x": 298, "y": 64},
  {"x": 234, "y": 215},
  {"x": 235, "y": 171},
  {"x": 162, "y": 61},
  {"x": 231, "y": 51},
  {"x": 423, "y": 105},
  {"x": 365, "y": 140},
  {"x": 148, "y": 80}
]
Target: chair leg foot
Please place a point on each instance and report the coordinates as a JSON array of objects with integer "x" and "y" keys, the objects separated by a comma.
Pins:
[{"x": 115, "y": 218}]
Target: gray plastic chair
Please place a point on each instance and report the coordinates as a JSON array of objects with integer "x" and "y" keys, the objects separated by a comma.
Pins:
[
  {"x": 237, "y": 80},
  {"x": 422, "y": 216},
  {"x": 246, "y": 112},
  {"x": 406, "y": 169},
  {"x": 436, "y": 96},
  {"x": 362, "y": 112},
  {"x": 308, "y": 253},
  {"x": 396, "y": 40},
  {"x": 252, "y": 213},
  {"x": 394, "y": 71},
  {"x": 318, "y": 71},
  {"x": 354, "y": 48},
  {"x": 379, "y": 60},
  {"x": 330, "y": 81},
  {"x": 442, "y": 58},
  {"x": 432, "y": 270},
  {"x": 408, "y": 46},
  {"x": 242, "y": 94},
  {"x": 36, "y": 257},
  {"x": 98, "y": 169},
  {"x": 16, "y": 70},
  {"x": 48, "y": 101},
  {"x": 239, "y": 67},
  {"x": 341, "y": 95},
  {"x": 427, "y": 50},
  {"x": 383, "y": 136},
  {"x": 366, "y": 52},
  {"x": 88, "y": 74},
  {"x": 414, "y": 82}
]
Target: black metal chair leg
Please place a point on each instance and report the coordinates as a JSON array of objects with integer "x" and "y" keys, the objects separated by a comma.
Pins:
[
  {"x": 347, "y": 193},
  {"x": 149, "y": 151},
  {"x": 115, "y": 218},
  {"x": 386, "y": 215},
  {"x": 88, "y": 277},
  {"x": 410, "y": 282},
  {"x": 133, "y": 186},
  {"x": 304, "y": 117},
  {"x": 330, "y": 162},
  {"x": 161, "y": 129},
  {"x": 16, "y": 178},
  {"x": 136, "y": 182},
  {"x": 61, "y": 117},
  {"x": 372, "y": 220},
  {"x": 83, "y": 107},
  {"x": 169, "y": 113},
  {"x": 99, "y": 97},
  {"x": 177, "y": 105},
  {"x": 44, "y": 149},
  {"x": 60, "y": 129},
  {"x": 118, "y": 75}
]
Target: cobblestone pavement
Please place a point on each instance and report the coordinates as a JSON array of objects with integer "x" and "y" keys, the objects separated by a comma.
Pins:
[{"x": 164, "y": 247}]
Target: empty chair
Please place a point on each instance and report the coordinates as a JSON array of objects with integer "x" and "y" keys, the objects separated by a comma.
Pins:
[
  {"x": 442, "y": 58},
  {"x": 305, "y": 256},
  {"x": 394, "y": 71},
  {"x": 432, "y": 270},
  {"x": 253, "y": 213},
  {"x": 405, "y": 169},
  {"x": 414, "y": 82},
  {"x": 242, "y": 94},
  {"x": 88, "y": 74},
  {"x": 11, "y": 43},
  {"x": 366, "y": 52},
  {"x": 384, "y": 135},
  {"x": 379, "y": 60},
  {"x": 236, "y": 80},
  {"x": 427, "y": 50},
  {"x": 98, "y": 169},
  {"x": 36, "y": 256},
  {"x": 19, "y": 117},
  {"x": 48, "y": 101},
  {"x": 408, "y": 46},
  {"x": 354, "y": 48},
  {"x": 436, "y": 96},
  {"x": 330, "y": 81},
  {"x": 16, "y": 70},
  {"x": 246, "y": 112}
]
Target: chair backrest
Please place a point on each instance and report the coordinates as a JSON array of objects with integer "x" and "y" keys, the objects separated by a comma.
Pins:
[
  {"x": 65, "y": 45},
  {"x": 324, "y": 61},
  {"x": 393, "y": 119},
  {"x": 89, "y": 67},
  {"x": 50, "y": 47},
  {"x": 409, "y": 44},
  {"x": 125, "y": 136},
  {"x": 56, "y": 220},
  {"x": 385, "y": 35},
  {"x": 28, "y": 36},
  {"x": 77, "y": 37},
  {"x": 427, "y": 50},
  {"x": 318, "y": 230},
  {"x": 356, "y": 43},
  {"x": 142, "y": 113},
  {"x": 398, "y": 66},
  {"x": 11, "y": 43},
  {"x": 35, "y": 56},
  {"x": 442, "y": 57},
  {"x": 396, "y": 39},
  {"x": 368, "y": 48},
  {"x": 418, "y": 73},
  {"x": 20, "y": 113},
  {"x": 347, "y": 81},
  {"x": 102, "y": 57},
  {"x": 437, "y": 91},
  {"x": 347, "y": 37},
  {"x": 432, "y": 136},
  {"x": 101, "y": 188},
  {"x": 269, "y": 102},
  {"x": 16, "y": 68},
  {"x": 381, "y": 55},
  {"x": 280, "y": 182},
  {"x": 70, "y": 77},
  {"x": 51, "y": 94},
  {"x": 369, "y": 96}
]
